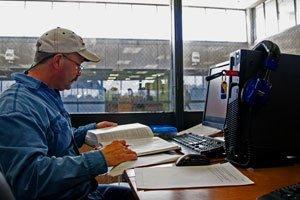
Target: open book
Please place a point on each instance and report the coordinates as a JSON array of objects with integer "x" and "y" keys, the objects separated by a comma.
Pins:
[{"x": 140, "y": 138}]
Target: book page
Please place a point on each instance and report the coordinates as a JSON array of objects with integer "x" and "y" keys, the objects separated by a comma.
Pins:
[
  {"x": 127, "y": 131},
  {"x": 189, "y": 177},
  {"x": 143, "y": 161}
]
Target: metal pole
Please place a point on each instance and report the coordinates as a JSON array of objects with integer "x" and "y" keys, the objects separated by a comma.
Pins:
[{"x": 177, "y": 60}]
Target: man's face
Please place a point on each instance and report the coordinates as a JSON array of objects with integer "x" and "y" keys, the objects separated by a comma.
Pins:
[{"x": 71, "y": 70}]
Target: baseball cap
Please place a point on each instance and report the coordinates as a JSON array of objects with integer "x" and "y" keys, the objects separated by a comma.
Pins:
[{"x": 61, "y": 40}]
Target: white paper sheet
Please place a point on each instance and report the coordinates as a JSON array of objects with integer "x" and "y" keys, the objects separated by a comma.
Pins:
[
  {"x": 201, "y": 130},
  {"x": 189, "y": 177}
]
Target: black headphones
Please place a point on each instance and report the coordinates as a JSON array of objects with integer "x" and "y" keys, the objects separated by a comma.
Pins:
[{"x": 257, "y": 89}]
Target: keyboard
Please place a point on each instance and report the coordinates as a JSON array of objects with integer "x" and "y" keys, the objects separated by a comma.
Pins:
[
  {"x": 200, "y": 144},
  {"x": 290, "y": 192}
]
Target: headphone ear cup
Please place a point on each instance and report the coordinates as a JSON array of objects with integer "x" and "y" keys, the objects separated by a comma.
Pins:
[{"x": 256, "y": 92}]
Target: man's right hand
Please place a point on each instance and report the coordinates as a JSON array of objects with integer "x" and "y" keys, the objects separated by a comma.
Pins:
[{"x": 118, "y": 152}]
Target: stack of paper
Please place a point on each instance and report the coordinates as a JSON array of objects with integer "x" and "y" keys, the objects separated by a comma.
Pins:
[{"x": 189, "y": 177}]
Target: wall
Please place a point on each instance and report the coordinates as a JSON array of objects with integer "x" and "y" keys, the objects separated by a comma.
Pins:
[{"x": 288, "y": 40}]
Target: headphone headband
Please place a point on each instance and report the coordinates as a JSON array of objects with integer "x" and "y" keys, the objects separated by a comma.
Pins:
[
  {"x": 257, "y": 89},
  {"x": 273, "y": 53}
]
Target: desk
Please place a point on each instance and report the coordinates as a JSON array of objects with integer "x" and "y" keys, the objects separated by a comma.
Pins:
[{"x": 265, "y": 180}]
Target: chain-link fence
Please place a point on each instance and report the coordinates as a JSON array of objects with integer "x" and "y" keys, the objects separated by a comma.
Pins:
[{"x": 135, "y": 75}]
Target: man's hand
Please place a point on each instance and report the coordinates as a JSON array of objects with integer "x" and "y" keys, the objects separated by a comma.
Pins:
[
  {"x": 118, "y": 152},
  {"x": 105, "y": 124}
]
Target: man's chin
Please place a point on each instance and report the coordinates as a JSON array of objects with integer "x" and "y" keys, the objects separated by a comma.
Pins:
[
  {"x": 68, "y": 88},
  {"x": 75, "y": 79}
]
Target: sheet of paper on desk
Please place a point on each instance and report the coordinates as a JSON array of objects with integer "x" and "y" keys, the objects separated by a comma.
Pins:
[
  {"x": 201, "y": 130},
  {"x": 189, "y": 177},
  {"x": 143, "y": 161}
]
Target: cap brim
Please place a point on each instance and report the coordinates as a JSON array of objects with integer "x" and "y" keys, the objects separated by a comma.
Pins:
[{"x": 89, "y": 56}]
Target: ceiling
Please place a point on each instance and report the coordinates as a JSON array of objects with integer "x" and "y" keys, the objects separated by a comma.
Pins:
[{"x": 236, "y": 4}]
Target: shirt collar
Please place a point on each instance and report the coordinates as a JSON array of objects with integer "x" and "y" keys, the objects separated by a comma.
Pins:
[{"x": 26, "y": 80}]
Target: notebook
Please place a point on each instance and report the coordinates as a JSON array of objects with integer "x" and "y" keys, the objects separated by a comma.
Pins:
[{"x": 216, "y": 104}]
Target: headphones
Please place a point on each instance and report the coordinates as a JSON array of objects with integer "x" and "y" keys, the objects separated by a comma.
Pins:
[{"x": 256, "y": 90}]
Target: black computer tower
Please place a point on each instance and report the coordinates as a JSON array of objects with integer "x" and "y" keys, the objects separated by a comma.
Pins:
[{"x": 264, "y": 135}]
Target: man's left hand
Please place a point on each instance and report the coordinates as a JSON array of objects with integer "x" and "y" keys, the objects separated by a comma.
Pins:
[{"x": 105, "y": 124}]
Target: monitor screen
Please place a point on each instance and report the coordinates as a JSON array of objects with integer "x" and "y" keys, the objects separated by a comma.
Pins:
[{"x": 216, "y": 98}]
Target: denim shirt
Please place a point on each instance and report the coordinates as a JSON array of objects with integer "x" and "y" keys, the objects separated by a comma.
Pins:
[{"x": 38, "y": 153}]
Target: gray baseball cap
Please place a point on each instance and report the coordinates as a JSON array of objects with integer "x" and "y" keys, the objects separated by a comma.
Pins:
[{"x": 61, "y": 40}]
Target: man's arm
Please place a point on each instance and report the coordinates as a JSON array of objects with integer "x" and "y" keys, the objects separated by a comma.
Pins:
[
  {"x": 80, "y": 133},
  {"x": 31, "y": 172}
]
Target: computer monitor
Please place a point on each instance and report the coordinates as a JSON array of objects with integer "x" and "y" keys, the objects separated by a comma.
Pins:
[{"x": 216, "y": 98}]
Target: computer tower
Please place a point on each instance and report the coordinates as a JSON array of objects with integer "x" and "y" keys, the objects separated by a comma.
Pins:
[{"x": 266, "y": 135}]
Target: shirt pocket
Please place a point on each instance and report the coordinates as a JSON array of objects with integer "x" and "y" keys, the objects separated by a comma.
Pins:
[{"x": 62, "y": 136}]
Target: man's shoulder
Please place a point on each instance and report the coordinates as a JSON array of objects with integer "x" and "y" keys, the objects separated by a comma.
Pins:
[
  {"x": 18, "y": 98},
  {"x": 16, "y": 91}
]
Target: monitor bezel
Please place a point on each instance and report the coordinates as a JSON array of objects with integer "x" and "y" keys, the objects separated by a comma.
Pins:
[{"x": 205, "y": 121}]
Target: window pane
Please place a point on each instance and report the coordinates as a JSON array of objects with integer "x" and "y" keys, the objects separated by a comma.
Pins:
[
  {"x": 235, "y": 29},
  {"x": 298, "y": 11},
  {"x": 133, "y": 41},
  {"x": 271, "y": 18},
  {"x": 209, "y": 35},
  {"x": 214, "y": 24},
  {"x": 286, "y": 14},
  {"x": 260, "y": 22}
]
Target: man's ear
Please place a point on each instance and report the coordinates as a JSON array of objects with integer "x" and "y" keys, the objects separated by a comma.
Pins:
[{"x": 57, "y": 62}]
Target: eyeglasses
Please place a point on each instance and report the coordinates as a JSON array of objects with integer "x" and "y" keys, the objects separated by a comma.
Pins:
[{"x": 79, "y": 66}]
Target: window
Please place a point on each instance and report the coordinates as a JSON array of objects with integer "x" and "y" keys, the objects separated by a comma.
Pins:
[
  {"x": 260, "y": 22},
  {"x": 133, "y": 40},
  {"x": 207, "y": 24},
  {"x": 271, "y": 18},
  {"x": 298, "y": 11},
  {"x": 209, "y": 36},
  {"x": 286, "y": 14}
]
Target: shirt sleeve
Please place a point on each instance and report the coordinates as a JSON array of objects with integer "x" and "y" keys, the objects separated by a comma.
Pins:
[
  {"x": 31, "y": 172},
  {"x": 80, "y": 133}
]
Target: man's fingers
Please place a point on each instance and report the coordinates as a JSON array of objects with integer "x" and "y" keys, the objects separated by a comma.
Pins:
[
  {"x": 130, "y": 151},
  {"x": 129, "y": 157},
  {"x": 117, "y": 147},
  {"x": 124, "y": 150},
  {"x": 105, "y": 124},
  {"x": 123, "y": 142}
]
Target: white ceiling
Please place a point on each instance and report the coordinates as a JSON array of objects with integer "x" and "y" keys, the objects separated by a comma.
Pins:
[{"x": 237, "y": 4}]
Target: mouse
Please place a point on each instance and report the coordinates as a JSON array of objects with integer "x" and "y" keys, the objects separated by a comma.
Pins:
[{"x": 192, "y": 160}]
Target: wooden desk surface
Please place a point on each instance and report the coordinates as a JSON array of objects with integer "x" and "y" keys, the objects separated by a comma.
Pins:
[{"x": 265, "y": 180}]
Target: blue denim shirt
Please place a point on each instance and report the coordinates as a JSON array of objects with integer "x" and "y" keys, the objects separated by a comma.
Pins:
[{"x": 37, "y": 144}]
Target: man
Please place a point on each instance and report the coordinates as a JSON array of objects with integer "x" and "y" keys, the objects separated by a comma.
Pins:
[{"x": 38, "y": 148}]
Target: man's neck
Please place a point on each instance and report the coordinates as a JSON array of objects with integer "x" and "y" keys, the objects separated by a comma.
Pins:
[{"x": 42, "y": 75}]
